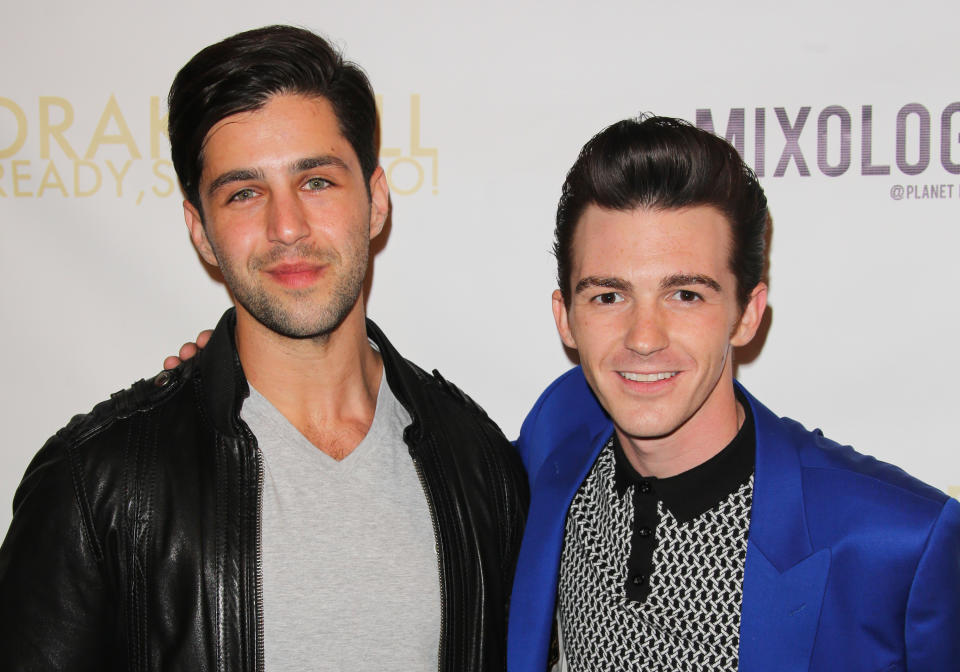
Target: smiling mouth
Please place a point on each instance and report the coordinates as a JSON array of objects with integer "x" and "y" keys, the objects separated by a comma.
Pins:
[{"x": 647, "y": 377}]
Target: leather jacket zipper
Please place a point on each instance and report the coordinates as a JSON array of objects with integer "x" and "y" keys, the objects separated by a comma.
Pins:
[
  {"x": 259, "y": 558},
  {"x": 258, "y": 555},
  {"x": 436, "y": 535}
]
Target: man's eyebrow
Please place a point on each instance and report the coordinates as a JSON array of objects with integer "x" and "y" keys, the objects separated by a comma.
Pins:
[
  {"x": 321, "y": 161},
  {"x": 239, "y": 175},
  {"x": 684, "y": 279},
  {"x": 298, "y": 166},
  {"x": 618, "y": 284}
]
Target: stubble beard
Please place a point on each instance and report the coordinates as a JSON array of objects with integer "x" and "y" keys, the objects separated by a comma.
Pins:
[{"x": 293, "y": 313}]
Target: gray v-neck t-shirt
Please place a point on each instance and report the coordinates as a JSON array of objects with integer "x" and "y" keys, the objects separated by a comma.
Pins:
[{"x": 350, "y": 570}]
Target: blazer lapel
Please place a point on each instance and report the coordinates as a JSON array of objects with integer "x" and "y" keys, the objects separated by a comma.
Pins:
[
  {"x": 784, "y": 580},
  {"x": 535, "y": 585}
]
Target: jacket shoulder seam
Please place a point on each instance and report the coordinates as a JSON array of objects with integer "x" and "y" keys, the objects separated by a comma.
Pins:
[
  {"x": 122, "y": 405},
  {"x": 83, "y": 501},
  {"x": 938, "y": 498}
]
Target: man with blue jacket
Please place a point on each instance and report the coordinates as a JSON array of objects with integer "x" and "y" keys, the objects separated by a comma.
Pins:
[{"x": 675, "y": 522}]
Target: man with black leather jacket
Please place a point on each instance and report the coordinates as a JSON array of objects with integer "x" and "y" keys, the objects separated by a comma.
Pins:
[{"x": 298, "y": 495}]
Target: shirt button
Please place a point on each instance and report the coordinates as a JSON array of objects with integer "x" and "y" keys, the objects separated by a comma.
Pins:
[
  {"x": 645, "y": 488},
  {"x": 639, "y": 579},
  {"x": 645, "y": 531}
]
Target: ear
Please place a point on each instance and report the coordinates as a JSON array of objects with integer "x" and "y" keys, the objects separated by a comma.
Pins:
[
  {"x": 198, "y": 233},
  {"x": 561, "y": 316},
  {"x": 379, "y": 201},
  {"x": 751, "y": 317}
]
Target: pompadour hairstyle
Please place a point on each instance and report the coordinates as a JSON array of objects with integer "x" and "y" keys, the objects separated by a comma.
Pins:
[{"x": 662, "y": 163}]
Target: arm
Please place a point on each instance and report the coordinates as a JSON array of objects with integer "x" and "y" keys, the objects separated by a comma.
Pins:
[
  {"x": 932, "y": 628},
  {"x": 54, "y": 610}
]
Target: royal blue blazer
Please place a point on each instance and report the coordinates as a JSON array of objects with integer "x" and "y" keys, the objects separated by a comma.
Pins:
[{"x": 851, "y": 565}]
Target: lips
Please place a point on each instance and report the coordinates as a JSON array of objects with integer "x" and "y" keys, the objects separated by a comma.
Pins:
[{"x": 295, "y": 275}]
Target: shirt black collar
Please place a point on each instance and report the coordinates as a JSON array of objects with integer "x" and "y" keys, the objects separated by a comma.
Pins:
[{"x": 697, "y": 490}]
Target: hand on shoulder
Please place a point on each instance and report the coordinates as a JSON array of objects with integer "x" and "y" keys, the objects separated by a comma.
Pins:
[{"x": 188, "y": 350}]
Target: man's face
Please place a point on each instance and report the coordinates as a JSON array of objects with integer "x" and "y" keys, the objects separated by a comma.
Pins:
[
  {"x": 654, "y": 316},
  {"x": 288, "y": 216}
]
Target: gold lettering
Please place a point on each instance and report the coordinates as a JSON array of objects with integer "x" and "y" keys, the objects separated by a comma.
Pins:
[
  {"x": 416, "y": 186},
  {"x": 119, "y": 176},
  {"x": 158, "y": 127},
  {"x": 48, "y": 130},
  {"x": 21, "y": 119},
  {"x": 100, "y": 137},
  {"x": 18, "y": 176},
  {"x": 954, "y": 491},
  {"x": 415, "y": 148},
  {"x": 157, "y": 165},
  {"x": 77, "y": 191},
  {"x": 56, "y": 182}
]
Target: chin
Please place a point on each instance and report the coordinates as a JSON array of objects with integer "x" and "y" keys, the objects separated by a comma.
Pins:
[
  {"x": 643, "y": 427},
  {"x": 647, "y": 432}
]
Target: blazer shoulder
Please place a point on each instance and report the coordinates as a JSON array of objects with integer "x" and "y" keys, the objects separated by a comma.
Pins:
[
  {"x": 570, "y": 386},
  {"x": 825, "y": 455},
  {"x": 565, "y": 405},
  {"x": 849, "y": 493},
  {"x": 566, "y": 408},
  {"x": 822, "y": 458}
]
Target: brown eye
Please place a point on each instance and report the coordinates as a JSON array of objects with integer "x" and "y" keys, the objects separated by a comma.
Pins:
[
  {"x": 687, "y": 296},
  {"x": 608, "y": 297}
]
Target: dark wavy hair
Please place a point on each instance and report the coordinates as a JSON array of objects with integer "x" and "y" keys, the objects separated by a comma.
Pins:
[
  {"x": 241, "y": 73},
  {"x": 662, "y": 163}
]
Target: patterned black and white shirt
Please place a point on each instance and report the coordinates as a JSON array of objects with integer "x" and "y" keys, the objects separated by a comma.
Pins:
[{"x": 651, "y": 576}]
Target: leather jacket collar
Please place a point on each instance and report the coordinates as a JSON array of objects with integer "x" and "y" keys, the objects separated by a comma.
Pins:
[{"x": 225, "y": 385}]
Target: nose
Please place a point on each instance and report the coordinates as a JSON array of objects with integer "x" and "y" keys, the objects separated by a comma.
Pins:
[
  {"x": 287, "y": 222},
  {"x": 647, "y": 332}
]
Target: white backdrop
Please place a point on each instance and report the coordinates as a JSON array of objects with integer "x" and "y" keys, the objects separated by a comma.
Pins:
[{"x": 484, "y": 108}]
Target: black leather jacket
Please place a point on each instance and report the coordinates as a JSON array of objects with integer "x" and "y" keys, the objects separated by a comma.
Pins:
[{"x": 135, "y": 540}]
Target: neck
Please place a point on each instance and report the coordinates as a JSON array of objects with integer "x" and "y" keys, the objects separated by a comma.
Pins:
[
  {"x": 326, "y": 387},
  {"x": 707, "y": 432}
]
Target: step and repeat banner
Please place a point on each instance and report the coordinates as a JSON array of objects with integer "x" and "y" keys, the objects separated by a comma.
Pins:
[{"x": 849, "y": 113}]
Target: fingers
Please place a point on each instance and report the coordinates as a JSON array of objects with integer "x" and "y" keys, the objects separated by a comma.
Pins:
[{"x": 188, "y": 350}]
